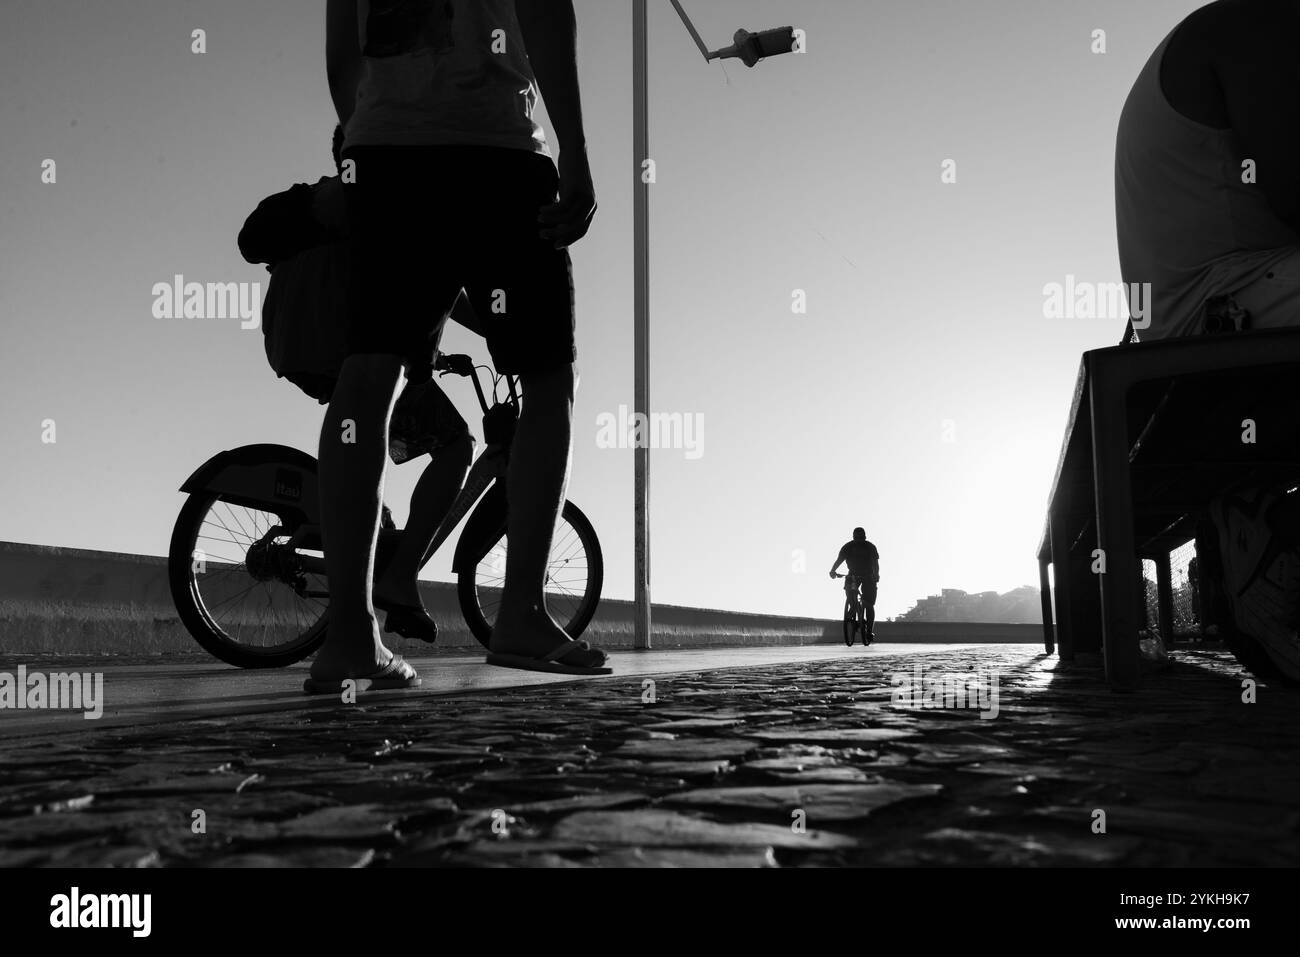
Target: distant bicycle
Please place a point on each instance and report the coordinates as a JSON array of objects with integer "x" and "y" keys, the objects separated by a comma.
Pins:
[
  {"x": 854, "y": 617},
  {"x": 247, "y": 569}
]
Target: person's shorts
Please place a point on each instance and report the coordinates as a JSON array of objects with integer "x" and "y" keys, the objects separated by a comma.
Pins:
[
  {"x": 1273, "y": 300},
  {"x": 427, "y": 221},
  {"x": 424, "y": 421},
  {"x": 853, "y": 582}
]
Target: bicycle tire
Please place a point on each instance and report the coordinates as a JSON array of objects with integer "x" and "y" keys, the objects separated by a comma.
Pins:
[
  {"x": 196, "y": 616},
  {"x": 579, "y": 613}
]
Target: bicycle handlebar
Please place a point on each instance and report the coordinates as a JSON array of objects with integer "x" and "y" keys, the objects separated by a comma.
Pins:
[{"x": 461, "y": 365}]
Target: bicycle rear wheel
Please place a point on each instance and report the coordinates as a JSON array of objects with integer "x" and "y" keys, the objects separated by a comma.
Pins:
[
  {"x": 241, "y": 590},
  {"x": 575, "y": 573},
  {"x": 850, "y": 621}
]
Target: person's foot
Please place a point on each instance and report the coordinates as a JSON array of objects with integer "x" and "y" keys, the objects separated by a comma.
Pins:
[
  {"x": 404, "y": 610},
  {"x": 1261, "y": 574},
  {"x": 398, "y": 673},
  {"x": 346, "y": 653},
  {"x": 535, "y": 634}
]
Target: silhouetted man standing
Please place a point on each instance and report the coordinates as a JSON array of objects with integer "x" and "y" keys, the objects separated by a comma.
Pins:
[{"x": 454, "y": 187}]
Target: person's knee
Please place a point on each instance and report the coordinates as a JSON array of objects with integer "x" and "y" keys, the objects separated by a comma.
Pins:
[
  {"x": 369, "y": 373},
  {"x": 459, "y": 452}
]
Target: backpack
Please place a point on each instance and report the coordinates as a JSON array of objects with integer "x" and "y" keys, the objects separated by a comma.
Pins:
[
  {"x": 304, "y": 313},
  {"x": 304, "y": 319}
]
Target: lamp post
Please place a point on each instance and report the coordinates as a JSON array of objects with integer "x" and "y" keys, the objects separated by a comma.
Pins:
[{"x": 749, "y": 48}]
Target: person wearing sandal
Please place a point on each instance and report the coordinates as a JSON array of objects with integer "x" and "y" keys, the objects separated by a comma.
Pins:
[
  {"x": 450, "y": 186},
  {"x": 300, "y": 236}
]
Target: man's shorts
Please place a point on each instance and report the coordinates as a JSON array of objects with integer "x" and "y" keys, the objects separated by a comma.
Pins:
[
  {"x": 853, "y": 582},
  {"x": 869, "y": 589},
  {"x": 1273, "y": 300},
  {"x": 427, "y": 221}
]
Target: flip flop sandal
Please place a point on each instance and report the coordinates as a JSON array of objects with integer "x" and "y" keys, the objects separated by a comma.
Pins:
[
  {"x": 396, "y": 674},
  {"x": 551, "y": 662}
]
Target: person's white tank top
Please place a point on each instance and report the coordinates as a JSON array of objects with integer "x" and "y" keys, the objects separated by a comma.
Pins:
[
  {"x": 444, "y": 72},
  {"x": 1187, "y": 222}
]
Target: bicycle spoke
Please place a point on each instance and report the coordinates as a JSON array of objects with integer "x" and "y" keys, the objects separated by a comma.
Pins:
[{"x": 266, "y": 612}]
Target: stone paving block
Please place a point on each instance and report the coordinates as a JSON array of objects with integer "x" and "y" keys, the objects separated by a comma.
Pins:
[
  {"x": 141, "y": 855},
  {"x": 682, "y": 769},
  {"x": 813, "y": 734},
  {"x": 686, "y": 749},
  {"x": 694, "y": 724},
  {"x": 821, "y": 802},
  {"x": 793, "y": 757},
  {"x": 39, "y": 829},
  {"x": 296, "y": 856},
  {"x": 675, "y": 857},
  {"x": 962, "y": 754},
  {"x": 654, "y": 828},
  {"x": 578, "y": 802},
  {"x": 466, "y": 848},
  {"x": 359, "y": 822},
  {"x": 51, "y": 797},
  {"x": 721, "y": 714},
  {"x": 825, "y": 775}
]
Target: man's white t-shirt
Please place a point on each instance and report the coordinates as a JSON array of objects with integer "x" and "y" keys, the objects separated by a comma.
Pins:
[{"x": 444, "y": 73}]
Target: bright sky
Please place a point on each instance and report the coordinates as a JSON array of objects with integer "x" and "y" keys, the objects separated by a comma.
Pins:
[{"x": 922, "y": 394}]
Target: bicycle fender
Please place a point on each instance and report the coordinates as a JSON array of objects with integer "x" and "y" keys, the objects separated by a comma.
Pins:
[
  {"x": 267, "y": 477},
  {"x": 484, "y": 525}
]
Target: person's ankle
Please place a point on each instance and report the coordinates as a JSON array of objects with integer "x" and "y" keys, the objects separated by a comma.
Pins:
[{"x": 516, "y": 608}]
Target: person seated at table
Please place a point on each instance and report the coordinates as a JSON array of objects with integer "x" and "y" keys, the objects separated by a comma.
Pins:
[{"x": 1207, "y": 198}]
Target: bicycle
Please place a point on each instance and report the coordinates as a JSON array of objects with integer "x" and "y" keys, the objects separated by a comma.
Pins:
[
  {"x": 854, "y": 618},
  {"x": 246, "y": 566}
]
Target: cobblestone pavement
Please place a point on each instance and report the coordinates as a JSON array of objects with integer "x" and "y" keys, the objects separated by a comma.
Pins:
[{"x": 809, "y": 764}]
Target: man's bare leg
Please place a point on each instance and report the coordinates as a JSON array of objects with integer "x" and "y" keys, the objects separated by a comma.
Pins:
[
  {"x": 351, "y": 488},
  {"x": 539, "y": 473},
  {"x": 434, "y": 494}
]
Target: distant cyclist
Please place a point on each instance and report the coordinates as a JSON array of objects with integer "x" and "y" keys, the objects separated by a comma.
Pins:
[{"x": 864, "y": 573}]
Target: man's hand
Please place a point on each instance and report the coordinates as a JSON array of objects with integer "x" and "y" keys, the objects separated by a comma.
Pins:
[
  {"x": 567, "y": 220},
  {"x": 550, "y": 32}
]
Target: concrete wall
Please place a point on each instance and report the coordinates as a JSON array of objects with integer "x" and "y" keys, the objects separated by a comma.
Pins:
[{"x": 72, "y": 601}]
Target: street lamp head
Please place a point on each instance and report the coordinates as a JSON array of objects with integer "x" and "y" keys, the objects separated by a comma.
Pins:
[{"x": 752, "y": 47}]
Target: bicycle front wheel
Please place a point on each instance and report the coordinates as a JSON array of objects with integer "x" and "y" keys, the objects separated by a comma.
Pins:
[
  {"x": 575, "y": 573},
  {"x": 850, "y": 622}
]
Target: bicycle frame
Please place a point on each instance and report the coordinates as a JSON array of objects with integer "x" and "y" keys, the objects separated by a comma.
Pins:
[
  {"x": 272, "y": 478},
  {"x": 486, "y": 475}
]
